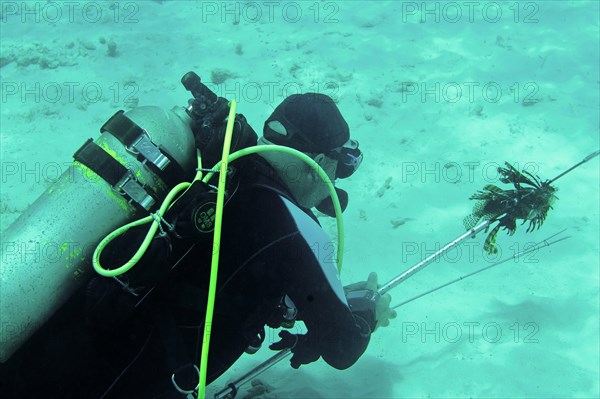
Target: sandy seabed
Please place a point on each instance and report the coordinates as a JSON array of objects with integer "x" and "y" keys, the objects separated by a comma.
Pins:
[{"x": 437, "y": 94}]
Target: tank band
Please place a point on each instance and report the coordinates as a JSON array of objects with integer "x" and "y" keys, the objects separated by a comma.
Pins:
[
  {"x": 114, "y": 173},
  {"x": 138, "y": 142}
]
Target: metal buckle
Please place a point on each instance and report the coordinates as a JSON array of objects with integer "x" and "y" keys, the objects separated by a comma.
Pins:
[
  {"x": 183, "y": 391},
  {"x": 144, "y": 146},
  {"x": 129, "y": 186}
]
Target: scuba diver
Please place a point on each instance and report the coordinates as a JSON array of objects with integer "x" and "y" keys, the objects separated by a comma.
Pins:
[{"x": 140, "y": 335}]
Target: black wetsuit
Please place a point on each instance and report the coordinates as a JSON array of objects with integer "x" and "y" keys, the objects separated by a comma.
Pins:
[{"x": 271, "y": 247}]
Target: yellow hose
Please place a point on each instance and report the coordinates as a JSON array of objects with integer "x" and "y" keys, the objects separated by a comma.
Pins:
[
  {"x": 145, "y": 244},
  {"x": 149, "y": 235},
  {"x": 214, "y": 266}
]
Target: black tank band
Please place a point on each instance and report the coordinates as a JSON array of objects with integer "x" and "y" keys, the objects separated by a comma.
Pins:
[
  {"x": 114, "y": 173},
  {"x": 137, "y": 141}
]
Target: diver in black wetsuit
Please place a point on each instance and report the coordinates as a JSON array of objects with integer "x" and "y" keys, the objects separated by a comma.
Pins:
[{"x": 276, "y": 264}]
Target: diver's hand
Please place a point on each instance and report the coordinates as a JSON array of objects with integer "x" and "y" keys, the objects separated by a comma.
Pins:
[
  {"x": 303, "y": 351},
  {"x": 383, "y": 313}
]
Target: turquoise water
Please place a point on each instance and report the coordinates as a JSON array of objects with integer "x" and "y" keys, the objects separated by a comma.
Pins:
[{"x": 438, "y": 94}]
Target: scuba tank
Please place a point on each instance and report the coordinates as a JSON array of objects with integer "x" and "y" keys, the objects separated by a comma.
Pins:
[
  {"x": 47, "y": 250},
  {"x": 122, "y": 175}
]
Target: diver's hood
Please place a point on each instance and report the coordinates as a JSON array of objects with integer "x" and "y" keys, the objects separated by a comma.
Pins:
[{"x": 326, "y": 206}]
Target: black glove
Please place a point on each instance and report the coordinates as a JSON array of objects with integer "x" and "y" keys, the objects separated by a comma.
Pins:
[
  {"x": 363, "y": 304},
  {"x": 366, "y": 303},
  {"x": 303, "y": 352}
]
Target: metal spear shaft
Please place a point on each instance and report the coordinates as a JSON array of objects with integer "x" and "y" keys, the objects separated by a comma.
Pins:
[
  {"x": 230, "y": 391},
  {"x": 427, "y": 261}
]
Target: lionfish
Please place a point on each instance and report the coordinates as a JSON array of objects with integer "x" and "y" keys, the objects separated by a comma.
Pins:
[{"x": 529, "y": 201}]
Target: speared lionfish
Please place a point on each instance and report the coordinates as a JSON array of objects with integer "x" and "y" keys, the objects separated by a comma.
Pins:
[{"x": 529, "y": 201}]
